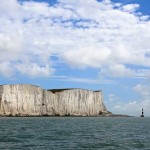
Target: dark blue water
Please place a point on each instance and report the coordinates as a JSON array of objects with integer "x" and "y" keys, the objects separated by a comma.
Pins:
[{"x": 89, "y": 133}]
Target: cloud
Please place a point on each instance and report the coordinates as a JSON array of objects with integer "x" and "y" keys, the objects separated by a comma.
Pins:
[
  {"x": 130, "y": 8},
  {"x": 82, "y": 80},
  {"x": 117, "y": 70},
  {"x": 112, "y": 97},
  {"x": 6, "y": 69},
  {"x": 112, "y": 37},
  {"x": 122, "y": 71},
  {"x": 143, "y": 91},
  {"x": 34, "y": 70},
  {"x": 132, "y": 107}
]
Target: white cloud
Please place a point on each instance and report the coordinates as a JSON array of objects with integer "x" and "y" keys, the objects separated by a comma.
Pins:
[
  {"x": 130, "y": 7},
  {"x": 10, "y": 8},
  {"x": 117, "y": 70},
  {"x": 134, "y": 106},
  {"x": 34, "y": 70},
  {"x": 112, "y": 97},
  {"x": 6, "y": 69},
  {"x": 144, "y": 18},
  {"x": 110, "y": 34},
  {"x": 143, "y": 91},
  {"x": 82, "y": 80}
]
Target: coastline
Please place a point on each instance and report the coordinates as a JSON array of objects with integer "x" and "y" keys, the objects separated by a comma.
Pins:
[{"x": 59, "y": 116}]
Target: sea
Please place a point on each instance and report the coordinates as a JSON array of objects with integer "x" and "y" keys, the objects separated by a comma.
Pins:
[{"x": 74, "y": 133}]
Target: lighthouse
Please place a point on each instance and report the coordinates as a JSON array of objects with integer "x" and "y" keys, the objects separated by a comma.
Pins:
[{"x": 142, "y": 113}]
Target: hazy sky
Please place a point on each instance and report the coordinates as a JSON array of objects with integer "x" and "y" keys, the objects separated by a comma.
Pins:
[{"x": 96, "y": 45}]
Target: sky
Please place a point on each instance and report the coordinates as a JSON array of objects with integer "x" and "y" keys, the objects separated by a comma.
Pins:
[{"x": 93, "y": 44}]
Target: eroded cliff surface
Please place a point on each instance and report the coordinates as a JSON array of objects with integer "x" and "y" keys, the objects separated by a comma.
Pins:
[{"x": 30, "y": 100}]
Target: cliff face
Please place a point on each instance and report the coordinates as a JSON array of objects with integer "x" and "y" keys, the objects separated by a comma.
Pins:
[{"x": 30, "y": 100}]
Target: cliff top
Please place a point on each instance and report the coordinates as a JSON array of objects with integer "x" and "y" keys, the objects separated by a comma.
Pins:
[
  {"x": 52, "y": 90},
  {"x": 60, "y": 90}
]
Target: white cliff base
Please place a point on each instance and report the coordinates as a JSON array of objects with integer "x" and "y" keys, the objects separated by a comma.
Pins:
[{"x": 30, "y": 100}]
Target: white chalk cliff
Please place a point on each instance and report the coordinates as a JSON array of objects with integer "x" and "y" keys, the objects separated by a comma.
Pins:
[{"x": 30, "y": 100}]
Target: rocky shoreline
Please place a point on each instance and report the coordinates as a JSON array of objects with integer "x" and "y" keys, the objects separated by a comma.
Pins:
[{"x": 109, "y": 114}]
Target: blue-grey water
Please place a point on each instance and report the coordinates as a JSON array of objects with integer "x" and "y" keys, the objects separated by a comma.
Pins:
[{"x": 67, "y": 133}]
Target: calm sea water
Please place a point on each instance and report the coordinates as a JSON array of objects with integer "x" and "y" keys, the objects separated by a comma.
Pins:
[{"x": 66, "y": 133}]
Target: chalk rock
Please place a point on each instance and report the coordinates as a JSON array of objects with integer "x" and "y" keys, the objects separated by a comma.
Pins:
[{"x": 30, "y": 100}]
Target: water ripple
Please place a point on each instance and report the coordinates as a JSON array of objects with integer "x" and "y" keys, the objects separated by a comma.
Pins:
[{"x": 87, "y": 133}]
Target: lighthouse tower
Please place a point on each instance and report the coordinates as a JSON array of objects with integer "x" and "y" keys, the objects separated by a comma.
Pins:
[{"x": 142, "y": 113}]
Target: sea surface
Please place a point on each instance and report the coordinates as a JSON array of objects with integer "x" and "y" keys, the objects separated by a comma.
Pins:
[{"x": 77, "y": 133}]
